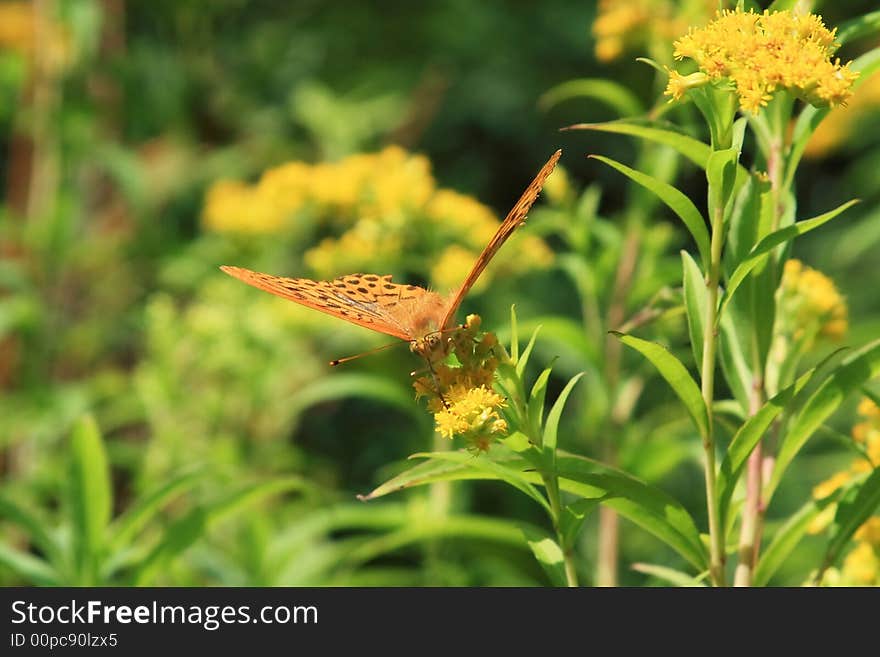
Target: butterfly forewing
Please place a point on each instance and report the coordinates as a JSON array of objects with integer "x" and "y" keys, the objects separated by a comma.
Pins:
[
  {"x": 514, "y": 220},
  {"x": 368, "y": 300}
]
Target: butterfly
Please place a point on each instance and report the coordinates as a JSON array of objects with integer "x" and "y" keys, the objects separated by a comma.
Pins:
[{"x": 407, "y": 312}]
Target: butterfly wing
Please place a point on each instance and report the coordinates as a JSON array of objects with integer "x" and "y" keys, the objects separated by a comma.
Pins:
[
  {"x": 367, "y": 300},
  {"x": 514, "y": 220}
]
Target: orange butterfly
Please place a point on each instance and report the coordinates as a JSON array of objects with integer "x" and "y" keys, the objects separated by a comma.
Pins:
[{"x": 407, "y": 312}]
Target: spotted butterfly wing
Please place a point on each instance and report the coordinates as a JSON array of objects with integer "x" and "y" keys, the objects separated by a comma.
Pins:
[
  {"x": 368, "y": 300},
  {"x": 514, "y": 219}
]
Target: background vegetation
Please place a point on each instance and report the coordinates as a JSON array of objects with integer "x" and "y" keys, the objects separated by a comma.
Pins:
[{"x": 162, "y": 424}]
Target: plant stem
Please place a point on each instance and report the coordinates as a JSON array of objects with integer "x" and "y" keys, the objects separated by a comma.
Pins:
[
  {"x": 552, "y": 486},
  {"x": 707, "y": 380},
  {"x": 749, "y": 537}
]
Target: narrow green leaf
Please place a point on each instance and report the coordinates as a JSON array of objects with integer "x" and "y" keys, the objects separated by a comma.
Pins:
[
  {"x": 573, "y": 517},
  {"x": 676, "y": 375},
  {"x": 523, "y": 360},
  {"x": 677, "y": 201},
  {"x": 548, "y": 553},
  {"x": 786, "y": 540},
  {"x": 33, "y": 524},
  {"x": 856, "y": 28},
  {"x": 852, "y": 514},
  {"x": 647, "y": 506},
  {"x": 675, "y": 577},
  {"x": 32, "y": 570},
  {"x": 721, "y": 175},
  {"x": 136, "y": 517},
  {"x": 536, "y": 402},
  {"x": 90, "y": 496},
  {"x": 759, "y": 253},
  {"x": 745, "y": 440},
  {"x": 514, "y": 335},
  {"x": 192, "y": 526},
  {"x": 696, "y": 302},
  {"x": 853, "y": 372},
  {"x": 736, "y": 369},
  {"x": 693, "y": 149},
  {"x": 482, "y": 463},
  {"x": 615, "y": 95},
  {"x": 550, "y": 429}
]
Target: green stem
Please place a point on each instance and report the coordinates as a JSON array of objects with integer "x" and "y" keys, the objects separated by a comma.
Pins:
[
  {"x": 551, "y": 483},
  {"x": 707, "y": 379}
]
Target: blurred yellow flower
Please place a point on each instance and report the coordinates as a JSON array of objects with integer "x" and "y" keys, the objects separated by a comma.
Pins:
[
  {"x": 763, "y": 53},
  {"x": 866, "y": 432},
  {"x": 644, "y": 25},
  {"x": 861, "y": 566},
  {"x": 809, "y": 304},
  {"x": 842, "y": 122},
  {"x": 25, "y": 30},
  {"x": 384, "y": 212}
]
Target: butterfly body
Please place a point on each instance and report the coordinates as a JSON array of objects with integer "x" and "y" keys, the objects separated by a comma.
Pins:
[{"x": 408, "y": 312}]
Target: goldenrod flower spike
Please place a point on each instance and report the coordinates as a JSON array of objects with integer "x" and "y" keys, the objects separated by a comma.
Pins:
[{"x": 765, "y": 53}]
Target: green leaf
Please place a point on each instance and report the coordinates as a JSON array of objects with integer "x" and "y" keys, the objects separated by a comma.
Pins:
[
  {"x": 536, "y": 402},
  {"x": 33, "y": 524},
  {"x": 549, "y": 440},
  {"x": 721, "y": 174},
  {"x": 853, "y": 372},
  {"x": 745, "y": 440},
  {"x": 693, "y": 149},
  {"x": 676, "y": 375},
  {"x": 484, "y": 464},
  {"x": 645, "y": 505},
  {"x": 615, "y": 95},
  {"x": 696, "y": 302},
  {"x": 514, "y": 335},
  {"x": 759, "y": 253},
  {"x": 90, "y": 497},
  {"x": 32, "y": 570},
  {"x": 548, "y": 553},
  {"x": 851, "y": 514},
  {"x": 736, "y": 369},
  {"x": 523, "y": 360},
  {"x": 573, "y": 517},
  {"x": 192, "y": 526},
  {"x": 856, "y": 28},
  {"x": 786, "y": 540},
  {"x": 675, "y": 577},
  {"x": 674, "y": 199},
  {"x": 145, "y": 508}
]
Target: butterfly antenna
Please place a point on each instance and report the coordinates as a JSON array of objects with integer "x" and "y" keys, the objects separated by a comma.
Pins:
[{"x": 339, "y": 361}]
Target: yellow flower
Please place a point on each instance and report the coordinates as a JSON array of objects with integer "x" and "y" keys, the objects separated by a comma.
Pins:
[
  {"x": 763, "y": 53},
  {"x": 452, "y": 266},
  {"x": 26, "y": 30},
  {"x": 828, "y": 486},
  {"x": 639, "y": 25},
  {"x": 679, "y": 84},
  {"x": 842, "y": 122},
  {"x": 861, "y": 566},
  {"x": 809, "y": 303},
  {"x": 869, "y": 532},
  {"x": 460, "y": 396}
]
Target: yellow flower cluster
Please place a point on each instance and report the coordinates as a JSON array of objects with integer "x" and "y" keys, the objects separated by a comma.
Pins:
[
  {"x": 20, "y": 28},
  {"x": 763, "y": 53},
  {"x": 630, "y": 25},
  {"x": 382, "y": 209},
  {"x": 809, "y": 304},
  {"x": 460, "y": 396},
  {"x": 862, "y": 565},
  {"x": 842, "y": 122}
]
